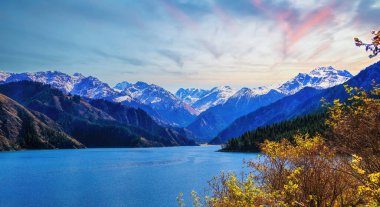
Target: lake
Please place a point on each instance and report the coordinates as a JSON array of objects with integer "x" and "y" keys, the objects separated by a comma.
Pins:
[{"x": 110, "y": 177}]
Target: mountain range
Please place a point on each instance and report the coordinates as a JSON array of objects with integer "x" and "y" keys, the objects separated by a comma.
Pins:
[
  {"x": 162, "y": 105},
  {"x": 143, "y": 114},
  {"x": 306, "y": 101},
  {"x": 165, "y": 105},
  {"x": 210, "y": 122},
  {"x": 201, "y": 99},
  {"x": 94, "y": 123}
]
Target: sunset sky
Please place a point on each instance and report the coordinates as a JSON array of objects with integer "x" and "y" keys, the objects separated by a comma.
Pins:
[{"x": 185, "y": 43}]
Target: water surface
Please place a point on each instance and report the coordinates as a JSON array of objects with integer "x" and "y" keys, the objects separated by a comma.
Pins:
[{"x": 110, "y": 177}]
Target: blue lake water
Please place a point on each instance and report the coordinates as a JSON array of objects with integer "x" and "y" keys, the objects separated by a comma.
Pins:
[{"x": 110, "y": 177}]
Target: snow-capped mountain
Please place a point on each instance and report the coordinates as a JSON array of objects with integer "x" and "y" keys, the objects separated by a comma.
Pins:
[
  {"x": 191, "y": 95},
  {"x": 213, "y": 120},
  {"x": 170, "y": 108},
  {"x": 77, "y": 84},
  {"x": 92, "y": 87},
  {"x": 122, "y": 85},
  {"x": 246, "y": 93},
  {"x": 159, "y": 103},
  {"x": 56, "y": 79},
  {"x": 201, "y": 99},
  {"x": 207, "y": 125},
  {"x": 182, "y": 108},
  {"x": 4, "y": 76},
  {"x": 303, "y": 102},
  {"x": 319, "y": 78}
]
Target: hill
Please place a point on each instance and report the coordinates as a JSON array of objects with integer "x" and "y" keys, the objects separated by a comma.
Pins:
[
  {"x": 250, "y": 141},
  {"x": 24, "y": 129}
]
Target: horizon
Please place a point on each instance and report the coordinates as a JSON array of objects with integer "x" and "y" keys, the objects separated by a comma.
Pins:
[
  {"x": 182, "y": 43},
  {"x": 174, "y": 90}
]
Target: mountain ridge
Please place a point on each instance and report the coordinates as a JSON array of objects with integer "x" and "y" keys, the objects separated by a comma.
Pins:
[
  {"x": 212, "y": 121},
  {"x": 92, "y": 88},
  {"x": 188, "y": 107},
  {"x": 88, "y": 124},
  {"x": 303, "y": 102}
]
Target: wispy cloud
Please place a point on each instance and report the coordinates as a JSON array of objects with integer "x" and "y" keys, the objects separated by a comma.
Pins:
[
  {"x": 179, "y": 15},
  {"x": 207, "y": 42},
  {"x": 211, "y": 48},
  {"x": 128, "y": 60},
  {"x": 173, "y": 56}
]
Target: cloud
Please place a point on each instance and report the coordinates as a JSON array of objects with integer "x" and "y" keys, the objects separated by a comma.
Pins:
[
  {"x": 369, "y": 12},
  {"x": 211, "y": 48},
  {"x": 180, "y": 73},
  {"x": 179, "y": 15},
  {"x": 128, "y": 60},
  {"x": 173, "y": 56},
  {"x": 218, "y": 40}
]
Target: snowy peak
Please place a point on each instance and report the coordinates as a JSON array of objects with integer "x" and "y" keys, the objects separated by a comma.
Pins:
[
  {"x": 201, "y": 99},
  {"x": 4, "y": 76},
  {"x": 248, "y": 92},
  {"x": 319, "y": 78},
  {"x": 329, "y": 71},
  {"x": 56, "y": 79},
  {"x": 122, "y": 85},
  {"x": 92, "y": 87},
  {"x": 141, "y": 85},
  {"x": 169, "y": 108},
  {"x": 150, "y": 93},
  {"x": 191, "y": 95},
  {"x": 217, "y": 95},
  {"x": 78, "y": 76},
  {"x": 77, "y": 84}
]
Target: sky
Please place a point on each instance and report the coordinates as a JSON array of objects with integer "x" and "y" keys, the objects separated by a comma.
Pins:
[{"x": 186, "y": 43}]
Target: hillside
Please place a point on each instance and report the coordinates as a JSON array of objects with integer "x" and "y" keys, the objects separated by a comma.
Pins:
[
  {"x": 139, "y": 118},
  {"x": 250, "y": 141},
  {"x": 23, "y": 129}
]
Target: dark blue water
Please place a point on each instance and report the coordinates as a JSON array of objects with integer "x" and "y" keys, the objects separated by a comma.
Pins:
[{"x": 110, "y": 177}]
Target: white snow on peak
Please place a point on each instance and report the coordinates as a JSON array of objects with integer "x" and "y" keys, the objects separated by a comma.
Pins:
[
  {"x": 319, "y": 78},
  {"x": 202, "y": 99}
]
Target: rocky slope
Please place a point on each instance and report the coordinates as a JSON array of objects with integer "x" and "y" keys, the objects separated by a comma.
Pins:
[{"x": 21, "y": 128}]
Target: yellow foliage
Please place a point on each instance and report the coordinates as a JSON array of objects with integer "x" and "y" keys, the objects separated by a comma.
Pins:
[
  {"x": 374, "y": 46},
  {"x": 308, "y": 171}
]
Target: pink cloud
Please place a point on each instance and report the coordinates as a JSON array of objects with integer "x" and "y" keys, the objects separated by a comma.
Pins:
[
  {"x": 227, "y": 20},
  {"x": 295, "y": 32},
  {"x": 313, "y": 20},
  {"x": 179, "y": 15}
]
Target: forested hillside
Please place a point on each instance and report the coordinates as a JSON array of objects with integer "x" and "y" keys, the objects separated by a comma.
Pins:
[{"x": 251, "y": 141}]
